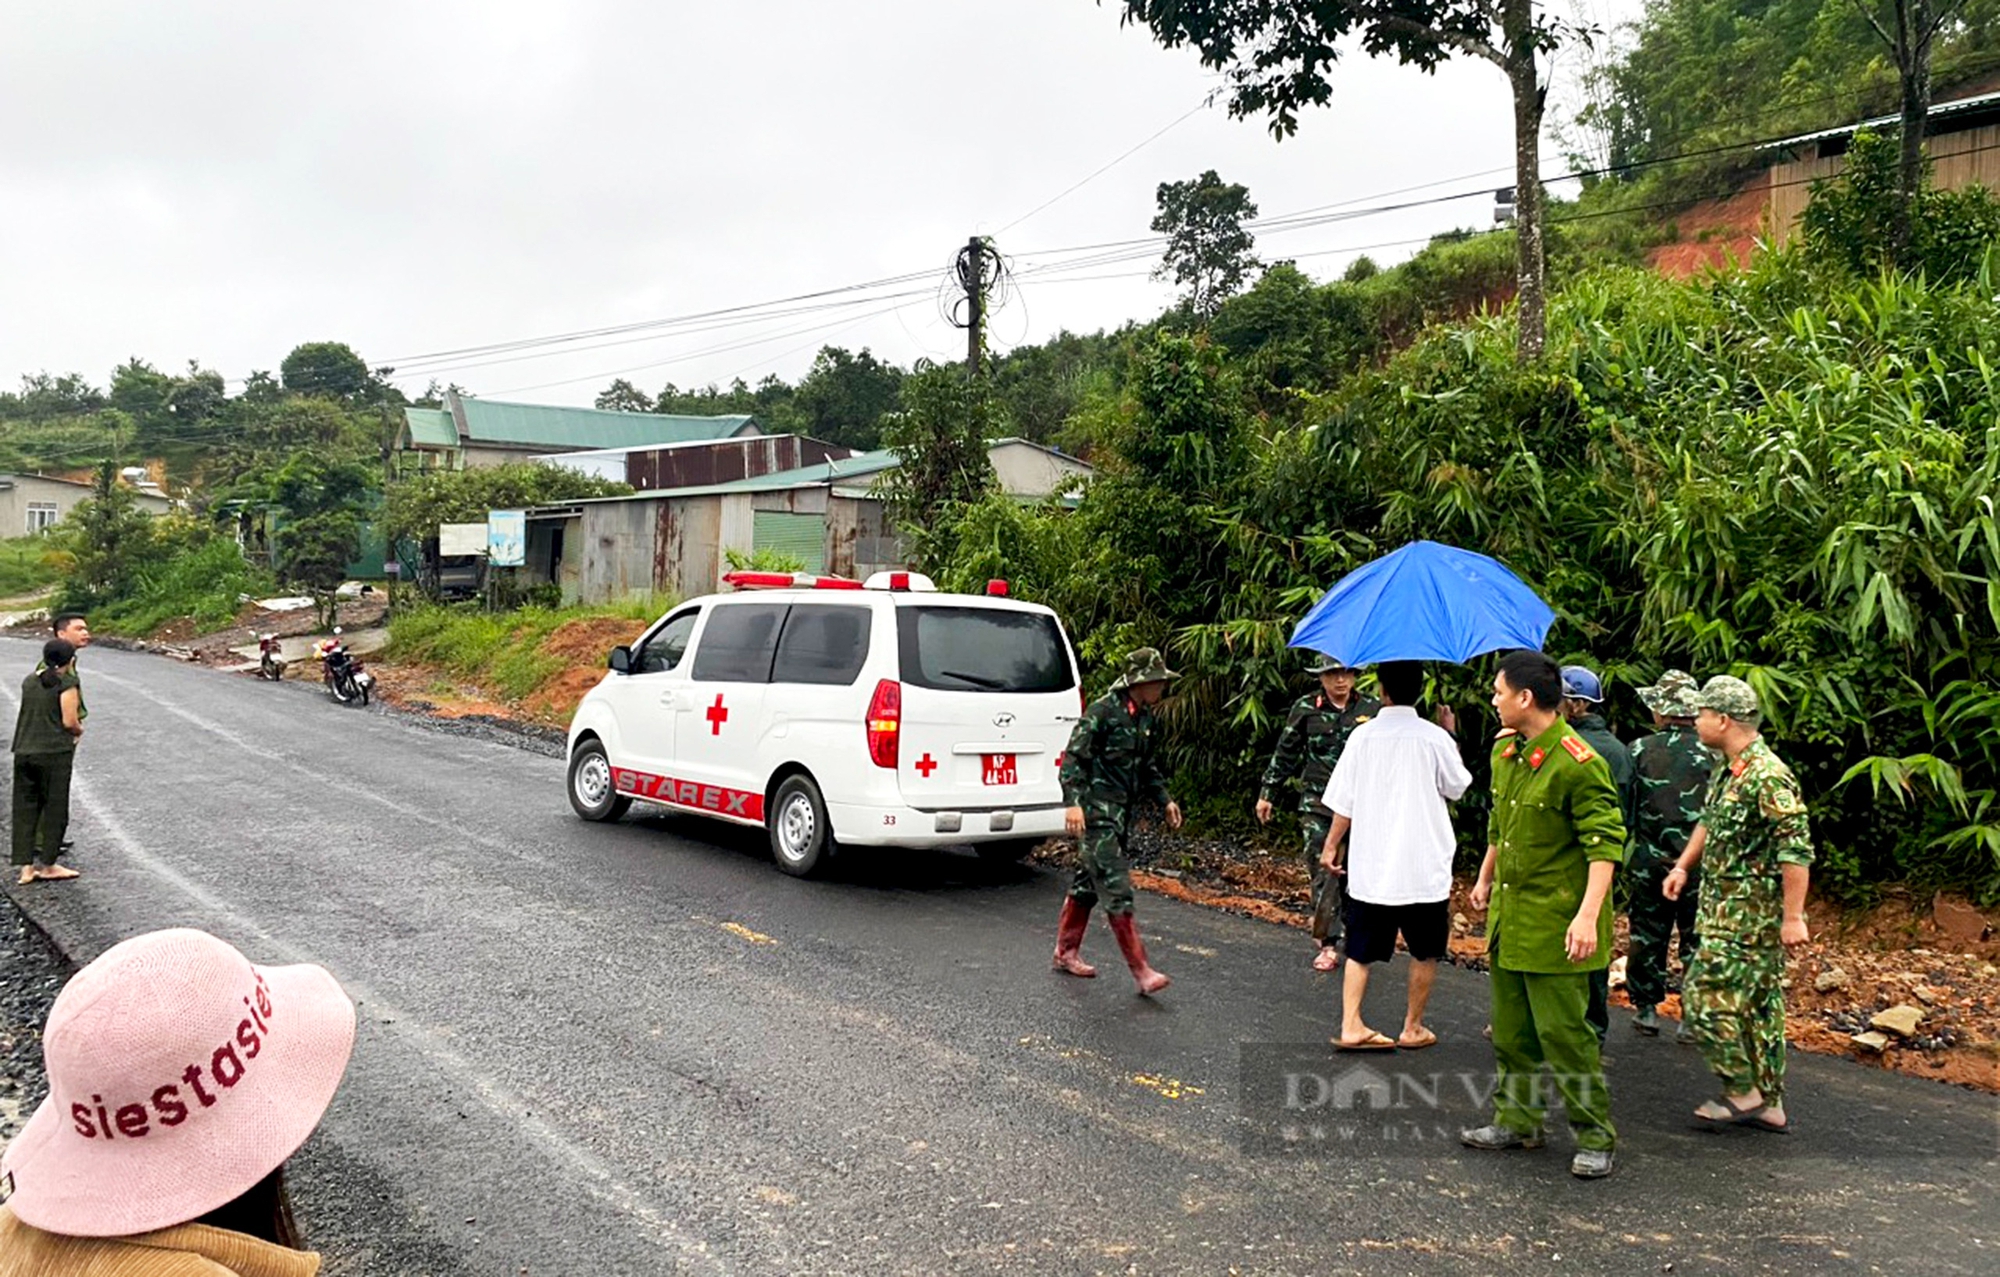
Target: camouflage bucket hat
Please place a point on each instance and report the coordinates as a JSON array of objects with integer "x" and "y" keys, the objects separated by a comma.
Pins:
[
  {"x": 1145, "y": 665},
  {"x": 1676, "y": 695},
  {"x": 1324, "y": 664},
  {"x": 1732, "y": 696}
]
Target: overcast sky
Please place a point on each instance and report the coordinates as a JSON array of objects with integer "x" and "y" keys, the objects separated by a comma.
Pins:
[{"x": 221, "y": 181}]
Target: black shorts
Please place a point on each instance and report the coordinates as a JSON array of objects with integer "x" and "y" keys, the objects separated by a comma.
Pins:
[{"x": 1371, "y": 930}]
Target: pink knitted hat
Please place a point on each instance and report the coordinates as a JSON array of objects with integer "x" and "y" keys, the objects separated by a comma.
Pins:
[{"x": 179, "y": 1076}]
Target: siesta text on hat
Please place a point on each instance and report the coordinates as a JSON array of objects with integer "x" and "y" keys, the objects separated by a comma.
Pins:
[{"x": 180, "y": 1075}]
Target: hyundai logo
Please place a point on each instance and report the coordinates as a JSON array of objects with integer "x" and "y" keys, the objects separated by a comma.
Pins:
[{"x": 1003, "y": 720}]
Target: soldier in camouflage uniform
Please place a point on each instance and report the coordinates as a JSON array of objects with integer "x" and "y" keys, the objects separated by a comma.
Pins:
[
  {"x": 1110, "y": 766},
  {"x": 1755, "y": 850},
  {"x": 1673, "y": 769},
  {"x": 1316, "y": 730}
]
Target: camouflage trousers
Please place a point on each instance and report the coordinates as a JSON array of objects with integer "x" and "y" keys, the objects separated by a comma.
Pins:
[
  {"x": 1327, "y": 928},
  {"x": 1103, "y": 864},
  {"x": 1654, "y": 921},
  {"x": 1734, "y": 1001}
]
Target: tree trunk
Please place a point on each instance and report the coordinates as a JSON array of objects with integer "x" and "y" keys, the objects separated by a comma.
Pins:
[
  {"x": 1914, "y": 24},
  {"x": 1517, "y": 24}
]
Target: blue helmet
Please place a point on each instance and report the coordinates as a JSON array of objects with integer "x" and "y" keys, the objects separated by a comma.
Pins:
[{"x": 1580, "y": 684}]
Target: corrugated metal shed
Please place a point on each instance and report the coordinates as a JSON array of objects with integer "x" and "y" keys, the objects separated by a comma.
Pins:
[{"x": 1948, "y": 116}]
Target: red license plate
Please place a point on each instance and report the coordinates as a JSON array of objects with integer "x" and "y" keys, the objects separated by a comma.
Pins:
[{"x": 999, "y": 769}]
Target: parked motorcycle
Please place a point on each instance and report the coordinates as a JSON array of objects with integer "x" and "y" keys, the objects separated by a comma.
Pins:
[
  {"x": 270, "y": 664},
  {"x": 346, "y": 679}
]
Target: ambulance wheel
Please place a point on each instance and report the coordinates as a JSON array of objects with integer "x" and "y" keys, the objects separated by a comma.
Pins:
[
  {"x": 591, "y": 792},
  {"x": 801, "y": 835}
]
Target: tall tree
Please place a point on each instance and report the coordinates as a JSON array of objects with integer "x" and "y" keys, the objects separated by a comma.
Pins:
[
  {"x": 1910, "y": 28},
  {"x": 622, "y": 396},
  {"x": 329, "y": 369},
  {"x": 940, "y": 438},
  {"x": 1208, "y": 251},
  {"x": 1278, "y": 55},
  {"x": 845, "y": 396}
]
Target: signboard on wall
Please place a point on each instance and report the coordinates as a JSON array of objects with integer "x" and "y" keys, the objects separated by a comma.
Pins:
[
  {"x": 456, "y": 539},
  {"x": 506, "y": 538}
]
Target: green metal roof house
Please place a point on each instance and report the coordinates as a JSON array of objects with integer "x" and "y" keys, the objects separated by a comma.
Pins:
[{"x": 469, "y": 432}]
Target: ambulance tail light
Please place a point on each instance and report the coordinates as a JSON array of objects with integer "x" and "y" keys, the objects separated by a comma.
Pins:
[{"x": 885, "y": 724}]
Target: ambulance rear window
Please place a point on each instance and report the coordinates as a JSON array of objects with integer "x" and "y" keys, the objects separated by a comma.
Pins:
[{"x": 983, "y": 649}]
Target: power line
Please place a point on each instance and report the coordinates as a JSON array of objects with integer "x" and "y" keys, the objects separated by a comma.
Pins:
[{"x": 1207, "y": 100}]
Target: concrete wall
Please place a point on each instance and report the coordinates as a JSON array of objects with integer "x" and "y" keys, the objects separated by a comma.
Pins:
[
  {"x": 1027, "y": 471},
  {"x": 19, "y": 491},
  {"x": 478, "y": 456}
]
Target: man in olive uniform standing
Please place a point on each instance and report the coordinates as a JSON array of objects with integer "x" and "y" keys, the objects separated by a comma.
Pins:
[
  {"x": 1755, "y": 852},
  {"x": 1672, "y": 769},
  {"x": 1583, "y": 699},
  {"x": 1110, "y": 766},
  {"x": 1554, "y": 842},
  {"x": 72, "y": 628},
  {"x": 1316, "y": 730}
]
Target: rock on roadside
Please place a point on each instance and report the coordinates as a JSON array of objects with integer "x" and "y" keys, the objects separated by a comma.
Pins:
[{"x": 1900, "y": 1020}]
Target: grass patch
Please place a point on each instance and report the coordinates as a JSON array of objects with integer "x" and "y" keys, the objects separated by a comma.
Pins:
[
  {"x": 502, "y": 651},
  {"x": 25, "y": 567},
  {"x": 205, "y": 585}
]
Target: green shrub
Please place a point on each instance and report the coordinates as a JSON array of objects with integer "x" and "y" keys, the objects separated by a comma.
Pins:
[
  {"x": 206, "y": 583},
  {"x": 27, "y": 565},
  {"x": 502, "y": 651}
]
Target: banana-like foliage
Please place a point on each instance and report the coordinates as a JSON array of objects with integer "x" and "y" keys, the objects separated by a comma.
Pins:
[{"x": 1788, "y": 473}]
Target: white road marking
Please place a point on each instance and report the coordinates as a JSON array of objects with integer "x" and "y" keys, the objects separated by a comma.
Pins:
[{"x": 593, "y": 1175}]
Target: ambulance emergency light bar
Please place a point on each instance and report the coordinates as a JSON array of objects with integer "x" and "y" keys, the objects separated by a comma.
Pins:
[{"x": 897, "y": 581}]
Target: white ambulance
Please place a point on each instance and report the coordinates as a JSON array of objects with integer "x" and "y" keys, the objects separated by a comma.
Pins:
[{"x": 837, "y": 713}]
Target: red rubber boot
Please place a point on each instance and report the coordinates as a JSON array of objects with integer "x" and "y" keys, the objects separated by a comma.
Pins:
[
  {"x": 1069, "y": 939},
  {"x": 1127, "y": 931}
]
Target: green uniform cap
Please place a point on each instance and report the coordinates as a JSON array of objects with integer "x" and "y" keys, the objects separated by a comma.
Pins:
[
  {"x": 1732, "y": 696},
  {"x": 1324, "y": 664},
  {"x": 1674, "y": 696},
  {"x": 1145, "y": 665}
]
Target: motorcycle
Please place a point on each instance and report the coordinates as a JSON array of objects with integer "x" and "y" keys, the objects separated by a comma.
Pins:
[
  {"x": 270, "y": 664},
  {"x": 346, "y": 679}
]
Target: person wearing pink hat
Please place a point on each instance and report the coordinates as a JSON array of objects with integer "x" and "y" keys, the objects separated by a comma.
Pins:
[{"x": 181, "y": 1079}]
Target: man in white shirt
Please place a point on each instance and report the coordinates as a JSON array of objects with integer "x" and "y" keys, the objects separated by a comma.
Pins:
[{"x": 1390, "y": 796}]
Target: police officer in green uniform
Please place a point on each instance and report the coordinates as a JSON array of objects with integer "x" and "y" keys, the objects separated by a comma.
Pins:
[
  {"x": 1583, "y": 700},
  {"x": 1755, "y": 852},
  {"x": 1554, "y": 841},
  {"x": 1672, "y": 769},
  {"x": 1110, "y": 766},
  {"x": 1315, "y": 732}
]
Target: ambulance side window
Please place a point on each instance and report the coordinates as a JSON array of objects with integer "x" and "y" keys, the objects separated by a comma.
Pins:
[
  {"x": 738, "y": 643},
  {"x": 822, "y": 644},
  {"x": 669, "y": 643}
]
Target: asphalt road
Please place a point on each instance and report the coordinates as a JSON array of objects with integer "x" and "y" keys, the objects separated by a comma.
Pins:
[{"x": 640, "y": 1049}]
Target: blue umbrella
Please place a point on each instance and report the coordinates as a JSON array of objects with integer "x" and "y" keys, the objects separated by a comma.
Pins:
[{"x": 1424, "y": 602}]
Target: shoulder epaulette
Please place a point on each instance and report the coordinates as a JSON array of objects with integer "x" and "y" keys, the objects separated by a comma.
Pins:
[{"x": 1577, "y": 749}]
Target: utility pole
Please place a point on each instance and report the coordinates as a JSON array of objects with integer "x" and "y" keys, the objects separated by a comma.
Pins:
[{"x": 971, "y": 269}]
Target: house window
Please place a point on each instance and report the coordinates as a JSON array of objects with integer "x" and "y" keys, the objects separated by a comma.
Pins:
[{"x": 42, "y": 516}]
